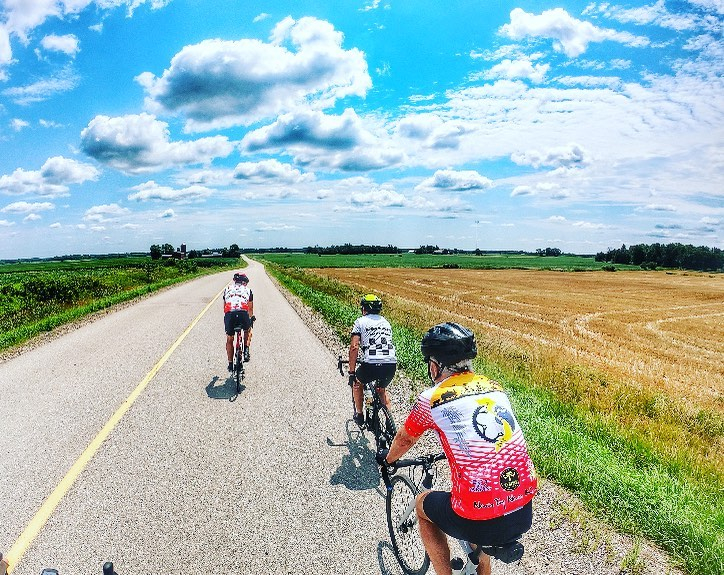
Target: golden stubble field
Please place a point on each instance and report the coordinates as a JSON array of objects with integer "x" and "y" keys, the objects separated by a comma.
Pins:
[{"x": 656, "y": 331}]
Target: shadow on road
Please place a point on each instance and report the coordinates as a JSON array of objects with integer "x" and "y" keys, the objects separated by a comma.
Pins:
[
  {"x": 219, "y": 388},
  {"x": 358, "y": 469}
]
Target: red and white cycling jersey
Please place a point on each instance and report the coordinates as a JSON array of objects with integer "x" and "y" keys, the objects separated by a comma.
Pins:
[
  {"x": 491, "y": 472},
  {"x": 237, "y": 297}
]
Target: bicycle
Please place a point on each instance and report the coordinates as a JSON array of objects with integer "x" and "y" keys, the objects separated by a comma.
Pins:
[
  {"x": 377, "y": 417},
  {"x": 239, "y": 349},
  {"x": 402, "y": 523}
]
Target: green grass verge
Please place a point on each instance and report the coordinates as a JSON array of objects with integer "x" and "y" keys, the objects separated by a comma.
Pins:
[{"x": 618, "y": 477}]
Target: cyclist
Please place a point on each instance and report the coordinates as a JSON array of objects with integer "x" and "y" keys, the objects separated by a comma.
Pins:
[
  {"x": 238, "y": 310},
  {"x": 372, "y": 334},
  {"x": 493, "y": 478}
]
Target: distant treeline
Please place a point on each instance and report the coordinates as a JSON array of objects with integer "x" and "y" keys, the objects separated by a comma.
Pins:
[
  {"x": 688, "y": 257},
  {"x": 349, "y": 249}
]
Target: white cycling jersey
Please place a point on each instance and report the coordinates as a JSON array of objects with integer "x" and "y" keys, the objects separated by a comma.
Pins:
[{"x": 375, "y": 335}]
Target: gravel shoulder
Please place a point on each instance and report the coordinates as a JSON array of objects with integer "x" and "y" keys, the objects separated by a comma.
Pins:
[{"x": 565, "y": 537}]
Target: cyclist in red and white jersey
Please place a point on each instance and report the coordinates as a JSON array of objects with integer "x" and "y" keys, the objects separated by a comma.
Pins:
[
  {"x": 238, "y": 311},
  {"x": 493, "y": 478}
]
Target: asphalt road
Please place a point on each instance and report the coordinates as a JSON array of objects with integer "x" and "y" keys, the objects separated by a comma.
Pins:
[{"x": 190, "y": 478}]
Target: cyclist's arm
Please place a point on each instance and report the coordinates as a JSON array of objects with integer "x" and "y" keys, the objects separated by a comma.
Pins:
[
  {"x": 353, "y": 352},
  {"x": 402, "y": 443}
]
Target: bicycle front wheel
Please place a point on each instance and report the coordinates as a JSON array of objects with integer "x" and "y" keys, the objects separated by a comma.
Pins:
[
  {"x": 402, "y": 523},
  {"x": 385, "y": 429}
]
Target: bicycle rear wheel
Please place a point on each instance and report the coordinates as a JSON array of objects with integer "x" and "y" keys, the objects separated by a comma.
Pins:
[
  {"x": 402, "y": 524},
  {"x": 385, "y": 429},
  {"x": 238, "y": 367}
]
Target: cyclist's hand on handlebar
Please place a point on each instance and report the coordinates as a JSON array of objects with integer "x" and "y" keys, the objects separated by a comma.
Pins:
[
  {"x": 253, "y": 319},
  {"x": 381, "y": 458},
  {"x": 352, "y": 378}
]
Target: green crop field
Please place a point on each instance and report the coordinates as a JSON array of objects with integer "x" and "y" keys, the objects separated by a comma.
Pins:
[
  {"x": 39, "y": 296},
  {"x": 411, "y": 260}
]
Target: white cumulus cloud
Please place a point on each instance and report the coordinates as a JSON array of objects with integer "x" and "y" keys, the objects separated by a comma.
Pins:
[
  {"x": 570, "y": 36},
  {"x": 53, "y": 179},
  {"x": 221, "y": 83},
  {"x": 152, "y": 191},
  {"x": 27, "y": 207},
  {"x": 141, "y": 143},
  {"x": 455, "y": 180},
  {"x": 67, "y": 44}
]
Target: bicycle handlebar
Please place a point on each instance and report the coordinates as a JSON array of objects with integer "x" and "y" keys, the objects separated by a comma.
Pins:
[
  {"x": 425, "y": 461},
  {"x": 340, "y": 363}
]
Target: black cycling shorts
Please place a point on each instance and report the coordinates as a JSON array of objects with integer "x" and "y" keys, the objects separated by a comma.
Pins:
[
  {"x": 382, "y": 372},
  {"x": 496, "y": 531},
  {"x": 236, "y": 318}
]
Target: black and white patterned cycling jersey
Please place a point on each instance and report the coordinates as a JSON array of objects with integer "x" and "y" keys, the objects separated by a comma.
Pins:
[{"x": 375, "y": 335}]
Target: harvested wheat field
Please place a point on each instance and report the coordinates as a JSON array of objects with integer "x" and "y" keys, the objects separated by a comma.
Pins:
[{"x": 656, "y": 331}]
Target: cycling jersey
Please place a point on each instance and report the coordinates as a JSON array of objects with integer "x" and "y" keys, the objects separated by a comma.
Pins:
[
  {"x": 491, "y": 472},
  {"x": 237, "y": 297},
  {"x": 375, "y": 335}
]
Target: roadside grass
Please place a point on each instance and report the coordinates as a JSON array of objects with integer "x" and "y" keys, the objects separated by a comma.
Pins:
[
  {"x": 617, "y": 472},
  {"x": 470, "y": 261},
  {"x": 37, "y": 300}
]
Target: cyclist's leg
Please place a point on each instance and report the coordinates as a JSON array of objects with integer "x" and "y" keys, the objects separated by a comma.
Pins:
[
  {"x": 387, "y": 372},
  {"x": 384, "y": 397},
  {"x": 358, "y": 387},
  {"x": 230, "y": 348},
  {"x": 357, "y": 396},
  {"x": 433, "y": 538},
  {"x": 229, "y": 330},
  {"x": 246, "y": 326},
  {"x": 483, "y": 563}
]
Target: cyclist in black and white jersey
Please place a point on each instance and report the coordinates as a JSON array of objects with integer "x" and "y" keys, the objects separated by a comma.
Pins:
[{"x": 371, "y": 354}]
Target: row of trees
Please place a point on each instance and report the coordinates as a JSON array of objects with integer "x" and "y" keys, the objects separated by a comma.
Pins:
[
  {"x": 159, "y": 251},
  {"x": 349, "y": 249},
  {"x": 549, "y": 252},
  {"x": 689, "y": 257}
]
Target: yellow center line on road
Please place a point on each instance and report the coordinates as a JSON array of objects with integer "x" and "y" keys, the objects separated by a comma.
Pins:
[{"x": 16, "y": 552}]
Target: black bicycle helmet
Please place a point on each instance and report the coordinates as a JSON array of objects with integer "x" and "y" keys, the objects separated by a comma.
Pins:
[
  {"x": 449, "y": 343},
  {"x": 241, "y": 278},
  {"x": 371, "y": 303}
]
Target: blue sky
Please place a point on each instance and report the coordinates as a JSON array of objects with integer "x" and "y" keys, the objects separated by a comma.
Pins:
[{"x": 498, "y": 125}]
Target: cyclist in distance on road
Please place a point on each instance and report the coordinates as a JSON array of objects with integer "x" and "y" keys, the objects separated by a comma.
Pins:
[
  {"x": 238, "y": 310},
  {"x": 372, "y": 335},
  {"x": 493, "y": 478}
]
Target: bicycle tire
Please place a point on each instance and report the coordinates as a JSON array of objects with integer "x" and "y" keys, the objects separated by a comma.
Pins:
[
  {"x": 384, "y": 428},
  {"x": 239, "y": 366},
  {"x": 405, "y": 535}
]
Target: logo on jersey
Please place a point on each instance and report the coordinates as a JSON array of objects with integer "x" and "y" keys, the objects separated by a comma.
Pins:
[
  {"x": 509, "y": 479},
  {"x": 493, "y": 422}
]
